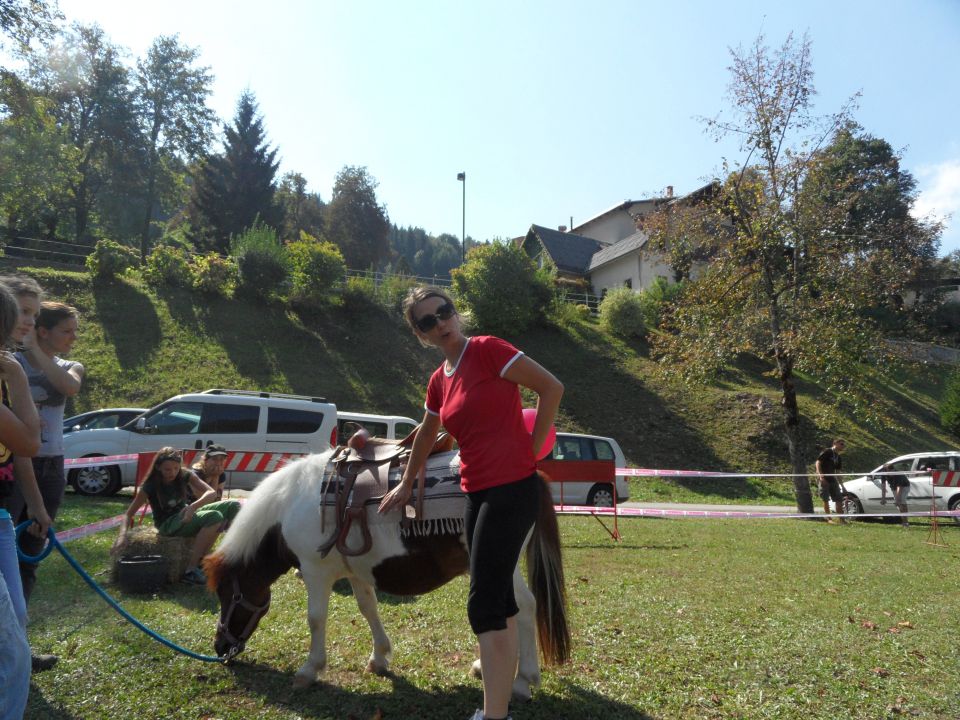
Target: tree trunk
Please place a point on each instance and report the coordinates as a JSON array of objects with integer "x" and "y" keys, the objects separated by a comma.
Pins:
[
  {"x": 148, "y": 213},
  {"x": 791, "y": 426}
]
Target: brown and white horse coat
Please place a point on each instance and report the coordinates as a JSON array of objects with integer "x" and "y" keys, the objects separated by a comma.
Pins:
[{"x": 279, "y": 527}]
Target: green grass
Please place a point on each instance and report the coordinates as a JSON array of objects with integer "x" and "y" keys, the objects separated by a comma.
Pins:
[{"x": 682, "y": 619}]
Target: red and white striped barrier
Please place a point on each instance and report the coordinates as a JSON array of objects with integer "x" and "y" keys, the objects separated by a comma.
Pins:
[{"x": 946, "y": 478}]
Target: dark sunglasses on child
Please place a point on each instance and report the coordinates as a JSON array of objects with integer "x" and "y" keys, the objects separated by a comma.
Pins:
[{"x": 428, "y": 322}]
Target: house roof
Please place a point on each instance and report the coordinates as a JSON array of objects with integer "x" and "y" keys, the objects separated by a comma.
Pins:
[
  {"x": 569, "y": 252},
  {"x": 631, "y": 243},
  {"x": 619, "y": 207}
]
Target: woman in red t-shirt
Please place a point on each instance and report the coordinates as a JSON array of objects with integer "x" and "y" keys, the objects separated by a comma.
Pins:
[{"x": 475, "y": 395}]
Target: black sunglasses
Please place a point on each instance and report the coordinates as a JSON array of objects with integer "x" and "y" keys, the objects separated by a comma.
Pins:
[{"x": 429, "y": 322}]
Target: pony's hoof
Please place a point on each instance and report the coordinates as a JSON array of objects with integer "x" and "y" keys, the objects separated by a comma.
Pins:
[
  {"x": 377, "y": 668},
  {"x": 521, "y": 692},
  {"x": 300, "y": 682},
  {"x": 476, "y": 670}
]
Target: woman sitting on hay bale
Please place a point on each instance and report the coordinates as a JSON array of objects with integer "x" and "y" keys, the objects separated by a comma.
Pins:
[{"x": 168, "y": 488}]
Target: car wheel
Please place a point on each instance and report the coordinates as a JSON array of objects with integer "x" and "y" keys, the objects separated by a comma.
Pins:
[
  {"x": 600, "y": 495},
  {"x": 851, "y": 505},
  {"x": 955, "y": 505},
  {"x": 96, "y": 481}
]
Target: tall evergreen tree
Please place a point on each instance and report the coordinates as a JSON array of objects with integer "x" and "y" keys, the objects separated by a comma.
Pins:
[{"x": 235, "y": 188}]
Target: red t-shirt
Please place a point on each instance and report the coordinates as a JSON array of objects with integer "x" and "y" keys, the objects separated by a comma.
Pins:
[{"x": 483, "y": 412}]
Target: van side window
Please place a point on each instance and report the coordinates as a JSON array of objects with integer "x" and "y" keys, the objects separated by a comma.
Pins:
[
  {"x": 229, "y": 418},
  {"x": 178, "y": 418},
  {"x": 403, "y": 429},
  {"x": 292, "y": 422},
  {"x": 603, "y": 450},
  {"x": 346, "y": 428}
]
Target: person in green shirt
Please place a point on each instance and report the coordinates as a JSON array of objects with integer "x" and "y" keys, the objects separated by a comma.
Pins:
[{"x": 168, "y": 488}]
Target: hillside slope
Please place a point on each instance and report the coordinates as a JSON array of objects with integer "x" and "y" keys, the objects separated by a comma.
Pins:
[{"x": 142, "y": 346}]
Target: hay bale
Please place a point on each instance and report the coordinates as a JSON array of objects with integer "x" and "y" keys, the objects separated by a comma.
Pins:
[{"x": 145, "y": 540}]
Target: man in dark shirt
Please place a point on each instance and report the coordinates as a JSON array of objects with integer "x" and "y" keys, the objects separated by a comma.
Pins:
[{"x": 828, "y": 463}]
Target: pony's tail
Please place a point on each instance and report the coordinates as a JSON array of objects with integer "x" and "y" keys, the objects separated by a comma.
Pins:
[{"x": 545, "y": 575}]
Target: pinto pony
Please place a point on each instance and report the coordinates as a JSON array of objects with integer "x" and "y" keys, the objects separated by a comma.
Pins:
[{"x": 279, "y": 527}]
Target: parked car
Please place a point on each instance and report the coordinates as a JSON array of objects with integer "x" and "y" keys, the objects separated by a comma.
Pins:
[
  {"x": 101, "y": 419},
  {"x": 582, "y": 469},
  {"x": 237, "y": 419},
  {"x": 863, "y": 493},
  {"x": 384, "y": 426}
]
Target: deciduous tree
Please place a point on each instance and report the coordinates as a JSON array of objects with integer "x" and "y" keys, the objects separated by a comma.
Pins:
[
  {"x": 788, "y": 277},
  {"x": 174, "y": 119}
]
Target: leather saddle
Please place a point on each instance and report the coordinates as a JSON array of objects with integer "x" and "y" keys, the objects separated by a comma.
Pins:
[{"x": 361, "y": 472}]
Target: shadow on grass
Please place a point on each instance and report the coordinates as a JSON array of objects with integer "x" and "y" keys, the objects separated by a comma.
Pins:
[
  {"x": 650, "y": 432},
  {"x": 116, "y": 304},
  {"x": 342, "y": 587},
  {"x": 359, "y": 359},
  {"x": 405, "y": 700},
  {"x": 39, "y": 708}
]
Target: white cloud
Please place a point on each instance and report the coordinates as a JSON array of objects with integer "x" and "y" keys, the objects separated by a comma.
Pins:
[{"x": 940, "y": 198}]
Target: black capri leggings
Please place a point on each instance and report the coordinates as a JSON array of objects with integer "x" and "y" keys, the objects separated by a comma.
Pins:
[{"x": 497, "y": 522}]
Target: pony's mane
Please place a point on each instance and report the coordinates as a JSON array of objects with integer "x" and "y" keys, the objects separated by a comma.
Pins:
[{"x": 266, "y": 504}]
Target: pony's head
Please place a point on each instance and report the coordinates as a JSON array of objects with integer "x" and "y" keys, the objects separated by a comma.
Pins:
[{"x": 244, "y": 600}]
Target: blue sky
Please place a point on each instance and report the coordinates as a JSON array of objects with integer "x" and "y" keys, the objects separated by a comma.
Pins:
[{"x": 553, "y": 109}]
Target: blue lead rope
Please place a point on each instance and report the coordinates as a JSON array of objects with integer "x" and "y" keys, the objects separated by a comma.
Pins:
[{"x": 54, "y": 543}]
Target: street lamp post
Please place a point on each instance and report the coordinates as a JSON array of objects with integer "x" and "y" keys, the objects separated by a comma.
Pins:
[{"x": 462, "y": 177}]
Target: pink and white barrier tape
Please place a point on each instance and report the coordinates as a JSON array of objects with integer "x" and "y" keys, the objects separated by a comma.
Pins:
[
  {"x": 652, "y": 472},
  {"x": 104, "y": 460},
  {"x": 732, "y": 514}
]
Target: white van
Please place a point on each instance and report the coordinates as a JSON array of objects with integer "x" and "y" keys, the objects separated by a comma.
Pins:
[
  {"x": 392, "y": 427},
  {"x": 240, "y": 420}
]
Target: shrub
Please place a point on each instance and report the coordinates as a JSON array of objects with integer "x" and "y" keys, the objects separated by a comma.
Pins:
[
  {"x": 262, "y": 260},
  {"x": 213, "y": 274},
  {"x": 655, "y": 299},
  {"x": 502, "y": 288},
  {"x": 393, "y": 289},
  {"x": 946, "y": 317},
  {"x": 110, "y": 259},
  {"x": 315, "y": 267},
  {"x": 621, "y": 313},
  {"x": 950, "y": 405},
  {"x": 359, "y": 290},
  {"x": 583, "y": 311},
  {"x": 167, "y": 266}
]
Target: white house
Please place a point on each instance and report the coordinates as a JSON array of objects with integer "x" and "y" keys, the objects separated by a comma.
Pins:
[{"x": 610, "y": 249}]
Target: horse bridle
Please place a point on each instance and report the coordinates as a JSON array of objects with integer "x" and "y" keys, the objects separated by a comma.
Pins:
[{"x": 258, "y": 611}]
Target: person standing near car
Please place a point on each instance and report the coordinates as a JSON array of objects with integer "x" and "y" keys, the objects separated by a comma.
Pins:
[
  {"x": 475, "y": 395},
  {"x": 828, "y": 463},
  {"x": 900, "y": 486},
  {"x": 52, "y": 380}
]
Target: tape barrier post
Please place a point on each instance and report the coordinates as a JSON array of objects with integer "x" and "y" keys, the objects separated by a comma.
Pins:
[{"x": 939, "y": 478}]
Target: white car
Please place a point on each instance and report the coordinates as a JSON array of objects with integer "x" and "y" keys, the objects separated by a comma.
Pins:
[
  {"x": 862, "y": 495},
  {"x": 239, "y": 420},
  {"x": 582, "y": 470}
]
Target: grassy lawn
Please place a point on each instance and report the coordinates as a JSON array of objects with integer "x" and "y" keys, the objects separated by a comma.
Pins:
[{"x": 682, "y": 619}]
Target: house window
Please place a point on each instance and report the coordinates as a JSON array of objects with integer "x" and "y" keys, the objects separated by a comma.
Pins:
[{"x": 628, "y": 283}]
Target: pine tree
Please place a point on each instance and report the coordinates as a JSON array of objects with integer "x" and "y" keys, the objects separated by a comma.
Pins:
[{"x": 233, "y": 190}]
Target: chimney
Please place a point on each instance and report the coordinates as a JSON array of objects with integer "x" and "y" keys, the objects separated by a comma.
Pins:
[
  {"x": 669, "y": 191},
  {"x": 562, "y": 228}
]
